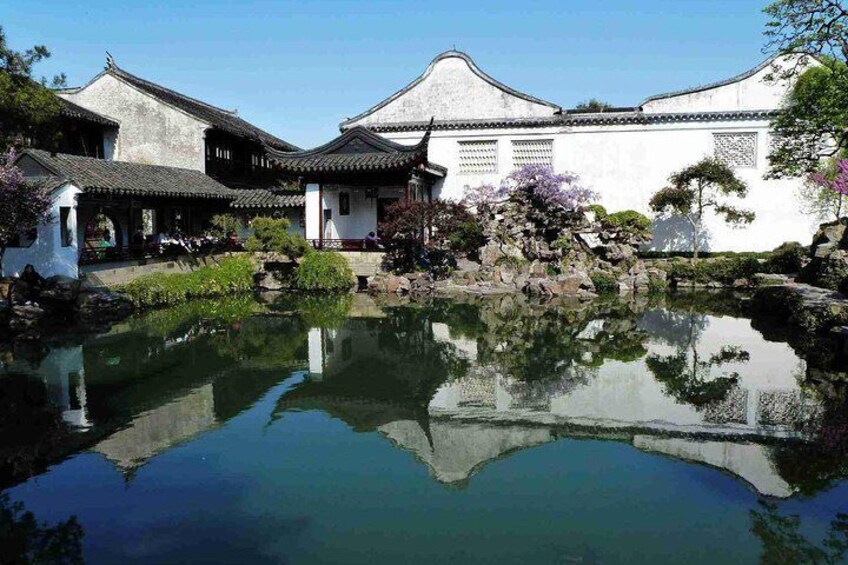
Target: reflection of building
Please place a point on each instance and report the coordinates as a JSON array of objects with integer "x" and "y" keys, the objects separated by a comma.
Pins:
[
  {"x": 63, "y": 375},
  {"x": 484, "y": 414},
  {"x": 159, "y": 429}
]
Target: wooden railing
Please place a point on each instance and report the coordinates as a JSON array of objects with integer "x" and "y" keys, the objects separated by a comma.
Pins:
[{"x": 346, "y": 245}]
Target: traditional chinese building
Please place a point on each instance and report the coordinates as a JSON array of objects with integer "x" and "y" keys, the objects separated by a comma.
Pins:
[
  {"x": 484, "y": 129},
  {"x": 353, "y": 179}
]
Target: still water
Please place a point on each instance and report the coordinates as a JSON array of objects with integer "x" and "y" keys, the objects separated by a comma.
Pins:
[{"x": 343, "y": 430}]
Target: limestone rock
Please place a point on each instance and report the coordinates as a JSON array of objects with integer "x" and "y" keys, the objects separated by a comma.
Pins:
[
  {"x": 60, "y": 289},
  {"x": 102, "y": 306}
]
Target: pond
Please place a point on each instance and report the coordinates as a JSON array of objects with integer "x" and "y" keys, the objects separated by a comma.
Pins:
[{"x": 349, "y": 430}]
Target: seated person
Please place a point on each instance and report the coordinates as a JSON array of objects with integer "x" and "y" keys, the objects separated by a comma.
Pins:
[
  {"x": 106, "y": 242},
  {"x": 28, "y": 287},
  {"x": 372, "y": 241}
]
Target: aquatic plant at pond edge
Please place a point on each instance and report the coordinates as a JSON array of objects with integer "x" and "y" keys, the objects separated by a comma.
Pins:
[{"x": 232, "y": 275}]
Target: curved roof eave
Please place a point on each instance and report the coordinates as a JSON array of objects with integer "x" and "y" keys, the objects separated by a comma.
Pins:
[
  {"x": 471, "y": 65},
  {"x": 728, "y": 81}
]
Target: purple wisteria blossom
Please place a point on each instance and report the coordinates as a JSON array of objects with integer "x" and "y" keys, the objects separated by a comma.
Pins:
[{"x": 538, "y": 183}]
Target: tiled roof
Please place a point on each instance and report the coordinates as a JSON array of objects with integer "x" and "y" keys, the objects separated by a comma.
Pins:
[
  {"x": 607, "y": 118},
  {"x": 261, "y": 198},
  {"x": 357, "y": 150},
  {"x": 119, "y": 178},
  {"x": 224, "y": 120},
  {"x": 71, "y": 110},
  {"x": 99, "y": 176}
]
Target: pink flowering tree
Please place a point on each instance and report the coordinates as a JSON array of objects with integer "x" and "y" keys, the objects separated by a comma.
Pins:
[
  {"x": 826, "y": 189},
  {"x": 23, "y": 206}
]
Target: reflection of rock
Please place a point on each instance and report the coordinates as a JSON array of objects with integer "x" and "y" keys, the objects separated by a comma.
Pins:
[
  {"x": 457, "y": 448},
  {"x": 159, "y": 429},
  {"x": 748, "y": 461}
]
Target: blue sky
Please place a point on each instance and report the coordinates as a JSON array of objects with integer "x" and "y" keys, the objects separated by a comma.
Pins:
[{"x": 298, "y": 68}]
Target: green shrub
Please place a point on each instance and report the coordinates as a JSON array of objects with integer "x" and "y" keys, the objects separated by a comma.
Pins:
[
  {"x": 599, "y": 211},
  {"x": 272, "y": 235},
  {"x": 511, "y": 262},
  {"x": 604, "y": 282},
  {"x": 467, "y": 238},
  {"x": 324, "y": 271},
  {"x": 787, "y": 258},
  {"x": 225, "y": 224},
  {"x": 629, "y": 220},
  {"x": 723, "y": 270},
  {"x": 232, "y": 275}
]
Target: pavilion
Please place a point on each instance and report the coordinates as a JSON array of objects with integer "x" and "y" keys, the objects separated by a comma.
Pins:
[{"x": 353, "y": 179}]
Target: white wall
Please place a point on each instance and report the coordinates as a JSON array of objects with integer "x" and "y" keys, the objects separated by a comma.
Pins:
[
  {"x": 753, "y": 92},
  {"x": 356, "y": 225},
  {"x": 626, "y": 164},
  {"x": 150, "y": 132},
  {"x": 46, "y": 254}
]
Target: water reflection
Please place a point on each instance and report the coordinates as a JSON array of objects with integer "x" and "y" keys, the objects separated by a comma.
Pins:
[
  {"x": 461, "y": 384},
  {"x": 456, "y": 384}
]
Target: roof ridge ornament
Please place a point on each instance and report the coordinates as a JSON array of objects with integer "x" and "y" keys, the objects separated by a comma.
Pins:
[{"x": 110, "y": 61}]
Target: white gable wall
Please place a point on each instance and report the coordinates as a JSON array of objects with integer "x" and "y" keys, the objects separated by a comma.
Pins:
[
  {"x": 150, "y": 131},
  {"x": 749, "y": 93},
  {"x": 452, "y": 90},
  {"x": 624, "y": 164},
  {"x": 47, "y": 254}
]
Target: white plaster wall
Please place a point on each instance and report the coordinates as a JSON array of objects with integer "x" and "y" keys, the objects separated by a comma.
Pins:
[
  {"x": 46, "y": 254},
  {"x": 150, "y": 132},
  {"x": 356, "y": 225},
  {"x": 626, "y": 165},
  {"x": 450, "y": 90},
  {"x": 752, "y": 93},
  {"x": 314, "y": 206}
]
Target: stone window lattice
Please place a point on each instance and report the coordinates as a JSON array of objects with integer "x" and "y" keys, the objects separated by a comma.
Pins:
[
  {"x": 477, "y": 157},
  {"x": 736, "y": 149},
  {"x": 532, "y": 152}
]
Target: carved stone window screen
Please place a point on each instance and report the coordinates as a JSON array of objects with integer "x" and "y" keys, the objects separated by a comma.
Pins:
[
  {"x": 736, "y": 149},
  {"x": 478, "y": 157},
  {"x": 532, "y": 152}
]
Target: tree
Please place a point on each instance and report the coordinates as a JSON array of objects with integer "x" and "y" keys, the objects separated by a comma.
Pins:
[
  {"x": 699, "y": 188},
  {"x": 28, "y": 109},
  {"x": 823, "y": 193},
  {"x": 813, "y": 122},
  {"x": 593, "y": 105},
  {"x": 24, "y": 205},
  {"x": 420, "y": 233}
]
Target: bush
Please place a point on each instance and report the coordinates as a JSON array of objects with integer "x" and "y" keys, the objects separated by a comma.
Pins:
[
  {"x": 723, "y": 270},
  {"x": 231, "y": 276},
  {"x": 604, "y": 282},
  {"x": 629, "y": 221},
  {"x": 225, "y": 224},
  {"x": 428, "y": 235},
  {"x": 324, "y": 271},
  {"x": 272, "y": 235},
  {"x": 467, "y": 238},
  {"x": 599, "y": 211},
  {"x": 788, "y": 258},
  {"x": 511, "y": 262}
]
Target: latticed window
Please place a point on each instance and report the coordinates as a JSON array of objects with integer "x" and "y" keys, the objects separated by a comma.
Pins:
[
  {"x": 532, "y": 152},
  {"x": 478, "y": 157},
  {"x": 736, "y": 149}
]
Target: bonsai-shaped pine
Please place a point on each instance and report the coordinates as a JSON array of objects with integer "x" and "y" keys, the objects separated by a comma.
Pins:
[{"x": 699, "y": 188}]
